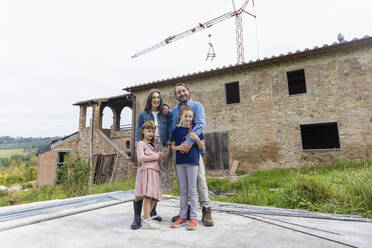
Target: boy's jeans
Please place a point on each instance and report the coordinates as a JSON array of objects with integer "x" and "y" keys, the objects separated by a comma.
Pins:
[{"x": 201, "y": 183}]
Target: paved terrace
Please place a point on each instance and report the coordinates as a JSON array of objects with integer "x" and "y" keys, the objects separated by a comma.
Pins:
[{"x": 104, "y": 221}]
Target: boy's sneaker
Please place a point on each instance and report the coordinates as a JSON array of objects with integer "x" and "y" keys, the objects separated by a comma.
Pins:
[
  {"x": 179, "y": 222},
  {"x": 175, "y": 218},
  {"x": 193, "y": 224},
  {"x": 149, "y": 224}
]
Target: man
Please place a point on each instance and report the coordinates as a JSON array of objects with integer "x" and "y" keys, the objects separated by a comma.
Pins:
[{"x": 182, "y": 94}]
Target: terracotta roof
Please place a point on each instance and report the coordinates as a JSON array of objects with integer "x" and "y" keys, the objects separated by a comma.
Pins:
[
  {"x": 48, "y": 147},
  {"x": 102, "y": 99},
  {"x": 274, "y": 59}
]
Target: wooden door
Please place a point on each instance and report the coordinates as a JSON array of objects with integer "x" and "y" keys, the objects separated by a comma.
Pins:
[
  {"x": 103, "y": 165},
  {"x": 217, "y": 151}
]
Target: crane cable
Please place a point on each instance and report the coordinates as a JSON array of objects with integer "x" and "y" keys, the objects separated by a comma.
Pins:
[{"x": 255, "y": 21}]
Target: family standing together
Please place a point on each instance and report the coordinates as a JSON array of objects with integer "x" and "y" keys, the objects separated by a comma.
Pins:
[{"x": 167, "y": 140}]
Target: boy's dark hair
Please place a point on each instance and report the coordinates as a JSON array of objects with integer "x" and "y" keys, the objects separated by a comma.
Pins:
[
  {"x": 163, "y": 105},
  {"x": 149, "y": 99}
]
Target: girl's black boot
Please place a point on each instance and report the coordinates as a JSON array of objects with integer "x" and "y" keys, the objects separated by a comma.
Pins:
[
  {"x": 154, "y": 215},
  {"x": 137, "y": 207}
]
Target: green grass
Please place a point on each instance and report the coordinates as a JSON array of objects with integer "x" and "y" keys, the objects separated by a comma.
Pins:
[
  {"x": 50, "y": 193},
  {"x": 6, "y": 153},
  {"x": 123, "y": 185},
  {"x": 342, "y": 187}
]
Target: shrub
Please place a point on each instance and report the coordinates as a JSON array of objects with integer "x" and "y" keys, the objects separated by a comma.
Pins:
[
  {"x": 41, "y": 194},
  {"x": 27, "y": 186},
  {"x": 75, "y": 174}
]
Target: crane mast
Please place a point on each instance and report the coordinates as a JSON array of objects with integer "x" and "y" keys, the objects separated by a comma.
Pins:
[{"x": 208, "y": 24}]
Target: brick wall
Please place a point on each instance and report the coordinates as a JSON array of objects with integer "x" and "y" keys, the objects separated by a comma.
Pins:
[
  {"x": 46, "y": 169},
  {"x": 47, "y": 163}
]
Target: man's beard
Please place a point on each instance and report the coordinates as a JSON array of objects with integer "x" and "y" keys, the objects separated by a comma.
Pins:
[{"x": 181, "y": 99}]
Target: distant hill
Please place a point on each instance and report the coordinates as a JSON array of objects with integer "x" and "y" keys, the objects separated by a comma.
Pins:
[{"x": 7, "y": 142}]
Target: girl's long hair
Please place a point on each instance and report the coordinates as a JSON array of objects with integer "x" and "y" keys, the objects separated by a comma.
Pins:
[
  {"x": 149, "y": 99},
  {"x": 148, "y": 125}
]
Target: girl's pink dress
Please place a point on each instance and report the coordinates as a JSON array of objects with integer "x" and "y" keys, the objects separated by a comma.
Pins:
[{"x": 148, "y": 179}]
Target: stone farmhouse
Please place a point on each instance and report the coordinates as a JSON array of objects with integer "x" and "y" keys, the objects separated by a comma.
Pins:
[
  {"x": 311, "y": 106},
  {"x": 109, "y": 149}
]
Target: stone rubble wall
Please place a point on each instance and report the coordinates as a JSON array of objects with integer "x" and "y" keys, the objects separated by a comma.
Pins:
[
  {"x": 264, "y": 128},
  {"x": 102, "y": 146}
]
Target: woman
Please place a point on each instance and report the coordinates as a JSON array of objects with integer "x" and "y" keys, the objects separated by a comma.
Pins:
[{"x": 152, "y": 113}]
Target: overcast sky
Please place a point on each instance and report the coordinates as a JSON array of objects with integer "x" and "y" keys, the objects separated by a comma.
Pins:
[{"x": 54, "y": 53}]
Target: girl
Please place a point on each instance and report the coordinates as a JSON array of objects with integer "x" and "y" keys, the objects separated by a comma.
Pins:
[
  {"x": 152, "y": 112},
  {"x": 187, "y": 168},
  {"x": 148, "y": 186}
]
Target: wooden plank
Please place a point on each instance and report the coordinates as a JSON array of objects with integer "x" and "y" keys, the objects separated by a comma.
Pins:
[
  {"x": 224, "y": 152},
  {"x": 234, "y": 167},
  {"x": 218, "y": 144},
  {"x": 114, "y": 169},
  {"x": 106, "y": 168},
  {"x": 210, "y": 151},
  {"x": 96, "y": 161}
]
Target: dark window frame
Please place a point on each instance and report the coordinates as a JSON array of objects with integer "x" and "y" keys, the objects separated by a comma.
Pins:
[
  {"x": 60, "y": 162},
  {"x": 231, "y": 96},
  {"x": 297, "y": 85},
  {"x": 308, "y": 134}
]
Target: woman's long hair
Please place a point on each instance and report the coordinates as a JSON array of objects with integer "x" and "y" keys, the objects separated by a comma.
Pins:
[{"x": 149, "y": 99}]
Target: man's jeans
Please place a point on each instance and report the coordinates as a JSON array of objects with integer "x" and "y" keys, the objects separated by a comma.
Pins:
[{"x": 201, "y": 185}]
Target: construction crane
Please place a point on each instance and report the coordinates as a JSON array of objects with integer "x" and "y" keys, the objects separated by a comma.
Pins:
[{"x": 238, "y": 25}]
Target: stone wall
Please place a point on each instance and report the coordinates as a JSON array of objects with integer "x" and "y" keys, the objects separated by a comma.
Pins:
[
  {"x": 102, "y": 146},
  {"x": 264, "y": 128}
]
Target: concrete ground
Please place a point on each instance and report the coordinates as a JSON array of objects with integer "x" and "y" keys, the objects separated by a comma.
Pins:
[{"x": 107, "y": 224}]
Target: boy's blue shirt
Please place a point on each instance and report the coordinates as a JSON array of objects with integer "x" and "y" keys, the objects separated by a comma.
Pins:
[
  {"x": 192, "y": 157},
  {"x": 198, "y": 123}
]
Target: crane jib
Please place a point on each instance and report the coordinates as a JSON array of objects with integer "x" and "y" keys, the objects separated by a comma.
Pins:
[{"x": 197, "y": 28}]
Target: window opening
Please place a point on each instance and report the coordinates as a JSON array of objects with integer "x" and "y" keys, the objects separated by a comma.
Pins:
[
  {"x": 107, "y": 118},
  {"x": 232, "y": 92},
  {"x": 320, "y": 136},
  {"x": 88, "y": 116},
  {"x": 61, "y": 160},
  {"x": 296, "y": 82},
  {"x": 126, "y": 118}
]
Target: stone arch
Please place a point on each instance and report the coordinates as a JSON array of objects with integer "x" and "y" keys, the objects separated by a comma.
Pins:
[
  {"x": 89, "y": 115},
  {"x": 126, "y": 118},
  {"x": 107, "y": 117}
]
